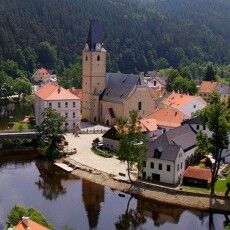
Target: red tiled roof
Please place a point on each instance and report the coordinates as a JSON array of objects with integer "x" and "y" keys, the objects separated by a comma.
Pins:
[
  {"x": 208, "y": 86},
  {"x": 52, "y": 92},
  {"x": 42, "y": 72},
  {"x": 32, "y": 224},
  {"x": 177, "y": 100},
  {"x": 198, "y": 173},
  {"x": 149, "y": 124},
  {"x": 169, "y": 117},
  {"x": 76, "y": 92}
]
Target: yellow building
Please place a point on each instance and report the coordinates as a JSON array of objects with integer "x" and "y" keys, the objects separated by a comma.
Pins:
[{"x": 107, "y": 96}]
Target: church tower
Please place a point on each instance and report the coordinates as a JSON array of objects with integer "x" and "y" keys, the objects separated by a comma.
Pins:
[{"x": 93, "y": 72}]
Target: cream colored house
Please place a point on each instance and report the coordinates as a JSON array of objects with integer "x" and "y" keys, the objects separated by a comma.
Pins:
[
  {"x": 41, "y": 75},
  {"x": 107, "y": 96},
  {"x": 60, "y": 99}
]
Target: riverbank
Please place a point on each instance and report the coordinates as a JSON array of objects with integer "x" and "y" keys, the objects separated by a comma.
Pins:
[{"x": 178, "y": 198}]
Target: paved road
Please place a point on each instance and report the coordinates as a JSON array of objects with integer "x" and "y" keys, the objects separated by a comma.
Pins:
[{"x": 85, "y": 155}]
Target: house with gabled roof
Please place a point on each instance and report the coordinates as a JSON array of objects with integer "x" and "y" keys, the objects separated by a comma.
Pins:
[
  {"x": 187, "y": 104},
  {"x": 60, "y": 99},
  {"x": 208, "y": 87},
  {"x": 106, "y": 96},
  {"x": 168, "y": 154}
]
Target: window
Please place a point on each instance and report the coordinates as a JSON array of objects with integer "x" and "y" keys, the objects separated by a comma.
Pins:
[
  {"x": 194, "y": 106},
  {"x": 178, "y": 167},
  {"x": 98, "y": 58},
  {"x": 74, "y": 104},
  {"x": 50, "y": 104},
  {"x": 66, "y": 115},
  {"x": 160, "y": 166},
  {"x": 66, "y": 104},
  {"x": 144, "y": 164},
  {"x": 73, "y": 115},
  {"x": 86, "y": 58},
  {"x": 181, "y": 165},
  {"x": 139, "y": 106},
  {"x": 59, "y": 104},
  {"x": 168, "y": 168},
  {"x": 204, "y": 127},
  {"x": 66, "y": 125},
  {"x": 74, "y": 125},
  {"x": 197, "y": 127},
  {"x": 154, "y": 83},
  {"x": 152, "y": 165}
]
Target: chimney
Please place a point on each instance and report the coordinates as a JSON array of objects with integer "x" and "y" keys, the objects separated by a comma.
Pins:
[{"x": 25, "y": 221}]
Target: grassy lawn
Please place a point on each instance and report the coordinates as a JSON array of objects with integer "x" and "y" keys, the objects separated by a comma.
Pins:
[
  {"x": 21, "y": 126},
  {"x": 221, "y": 184},
  {"x": 220, "y": 187},
  {"x": 105, "y": 154}
]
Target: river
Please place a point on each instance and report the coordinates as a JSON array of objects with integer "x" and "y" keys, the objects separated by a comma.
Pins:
[{"x": 80, "y": 204}]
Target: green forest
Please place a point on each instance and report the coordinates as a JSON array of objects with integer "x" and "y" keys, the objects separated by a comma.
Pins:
[{"x": 140, "y": 35}]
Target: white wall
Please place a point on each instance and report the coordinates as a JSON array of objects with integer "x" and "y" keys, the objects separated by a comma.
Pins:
[
  {"x": 193, "y": 106},
  {"x": 72, "y": 121},
  {"x": 111, "y": 144},
  {"x": 165, "y": 176}
]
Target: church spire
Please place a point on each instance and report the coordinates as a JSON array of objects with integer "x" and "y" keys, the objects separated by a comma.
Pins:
[{"x": 95, "y": 36}]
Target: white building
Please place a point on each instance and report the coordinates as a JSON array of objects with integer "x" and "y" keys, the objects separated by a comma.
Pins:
[
  {"x": 187, "y": 104},
  {"x": 62, "y": 100},
  {"x": 167, "y": 155}
]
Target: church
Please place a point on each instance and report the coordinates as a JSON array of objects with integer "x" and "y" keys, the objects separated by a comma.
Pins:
[{"x": 107, "y": 96}]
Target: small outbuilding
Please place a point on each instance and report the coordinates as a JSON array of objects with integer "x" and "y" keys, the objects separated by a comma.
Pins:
[{"x": 196, "y": 176}]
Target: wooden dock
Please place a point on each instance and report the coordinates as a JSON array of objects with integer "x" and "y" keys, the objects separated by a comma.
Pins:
[{"x": 64, "y": 167}]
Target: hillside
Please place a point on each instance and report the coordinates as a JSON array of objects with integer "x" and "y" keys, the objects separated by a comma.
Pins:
[{"x": 140, "y": 35}]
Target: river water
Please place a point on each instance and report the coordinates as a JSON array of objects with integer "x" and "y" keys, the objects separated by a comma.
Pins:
[{"x": 80, "y": 204}]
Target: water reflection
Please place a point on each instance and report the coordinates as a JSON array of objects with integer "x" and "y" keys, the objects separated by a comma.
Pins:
[
  {"x": 51, "y": 180},
  {"x": 131, "y": 219},
  {"x": 80, "y": 204},
  {"x": 93, "y": 198},
  {"x": 160, "y": 213}
]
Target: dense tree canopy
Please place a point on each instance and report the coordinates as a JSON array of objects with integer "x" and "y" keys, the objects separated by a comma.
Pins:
[{"x": 140, "y": 34}]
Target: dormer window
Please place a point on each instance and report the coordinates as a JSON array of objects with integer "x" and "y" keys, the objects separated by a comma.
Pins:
[
  {"x": 157, "y": 153},
  {"x": 98, "y": 57}
]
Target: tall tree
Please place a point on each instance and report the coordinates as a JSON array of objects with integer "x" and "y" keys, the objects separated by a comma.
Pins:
[
  {"x": 132, "y": 142},
  {"x": 50, "y": 129},
  {"x": 210, "y": 74},
  {"x": 217, "y": 118},
  {"x": 47, "y": 55}
]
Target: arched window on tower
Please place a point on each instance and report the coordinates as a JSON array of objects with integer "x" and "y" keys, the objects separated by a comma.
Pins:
[{"x": 98, "y": 57}]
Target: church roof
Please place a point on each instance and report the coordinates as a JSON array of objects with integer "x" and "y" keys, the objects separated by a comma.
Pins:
[
  {"x": 95, "y": 34},
  {"x": 119, "y": 86}
]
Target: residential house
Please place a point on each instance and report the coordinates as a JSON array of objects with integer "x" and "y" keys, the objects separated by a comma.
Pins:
[
  {"x": 224, "y": 91},
  {"x": 26, "y": 223},
  {"x": 41, "y": 75},
  {"x": 167, "y": 118},
  {"x": 168, "y": 154},
  {"x": 186, "y": 104},
  {"x": 111, "y": 138},
  {"x": 208, "y": 87},
  {"x": 156, "y": 81},
  {"x": 106, "y": 96},
  {"x": 62, "y": 100}
]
